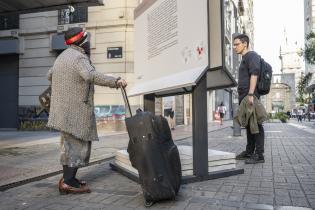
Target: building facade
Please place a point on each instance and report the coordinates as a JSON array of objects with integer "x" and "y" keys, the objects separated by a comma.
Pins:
[
  {"x": 39, "y": 41},
  {"x": 241, "y": 20},
  {"x": 291, "y": 60},
  {"x": 246, "y": 10},
  {"x": 289, "y": 80},
  {"x": 30, "y": 43},
  {"x": 225, "y": 96},
  {"x": 278, "y": 99}
]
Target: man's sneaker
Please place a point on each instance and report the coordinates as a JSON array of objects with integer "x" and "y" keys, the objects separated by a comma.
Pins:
[
  {"x": 255, "y": 159},
  {"x": 243, "y": 156}
]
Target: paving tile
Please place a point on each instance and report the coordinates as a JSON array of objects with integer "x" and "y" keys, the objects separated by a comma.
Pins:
[
  {"x": 296, "y": 193},
  {"x": 266, "y": 199},
  {"x": 221, "y": 195},
  {"x": 195, "y": 206},
  {"x": 286, "y": 179},
  {"x": 299, "y": 201},
  {"x": 283, "y": 201},
  {"x": 235, "y": 197}
]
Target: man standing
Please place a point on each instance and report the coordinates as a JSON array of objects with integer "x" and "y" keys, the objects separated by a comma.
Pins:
[
  {"x": 72, "y": 106},
  {"x": 247, "y": 80}
]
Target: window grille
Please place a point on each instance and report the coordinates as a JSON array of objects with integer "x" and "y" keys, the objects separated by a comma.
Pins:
[
  {"x": 9, "y": 21},
  {"x": 79, "y": 15}
]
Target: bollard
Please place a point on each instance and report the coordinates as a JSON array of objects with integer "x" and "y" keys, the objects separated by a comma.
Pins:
[{"x": 237, "y": 131}]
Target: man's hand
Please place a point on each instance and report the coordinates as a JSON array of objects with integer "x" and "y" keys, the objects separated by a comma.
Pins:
[
  {"x": 251, "y": 100},
  {"x": 121, "y": 83},
  {"x": 252, "y": 87}
]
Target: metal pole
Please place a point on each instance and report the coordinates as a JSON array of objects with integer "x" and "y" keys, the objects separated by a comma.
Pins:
[
  {"x": 149, "y": 103},
  {"x": 200, "y": 128}
]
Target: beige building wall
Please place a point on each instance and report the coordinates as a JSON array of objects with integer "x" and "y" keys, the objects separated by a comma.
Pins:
[
  {"x": 291, "y": 60},
  {"x": 279, "y": 95},
  {"x": 110, "y": 25},
  {"x": 36, "y": 56}
]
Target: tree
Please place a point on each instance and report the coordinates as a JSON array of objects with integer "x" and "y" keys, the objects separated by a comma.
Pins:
[
  {"x": 301, "y": 97},
  {"x": 309, "y": 55},
  {"x": 309, "y": 52},
  {"x": 300, "y": 90}
]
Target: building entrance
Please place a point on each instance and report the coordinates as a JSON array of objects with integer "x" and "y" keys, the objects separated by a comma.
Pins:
[{"x": 9, "y": 84}]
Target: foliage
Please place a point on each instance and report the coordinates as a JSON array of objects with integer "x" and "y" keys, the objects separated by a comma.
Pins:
[
  {"x": 303, "y": 82},
  {"x": 283, "y": 117},
  {"x": 309, "y": 52},
  {"x": 33, "y": 125}
]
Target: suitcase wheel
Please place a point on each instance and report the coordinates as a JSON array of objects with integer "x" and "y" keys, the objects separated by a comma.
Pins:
[{"x": 148, "y": 203}]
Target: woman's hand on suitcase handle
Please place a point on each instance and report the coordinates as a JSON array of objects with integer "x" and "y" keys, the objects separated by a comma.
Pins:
[{"x": 121, "y": 83}]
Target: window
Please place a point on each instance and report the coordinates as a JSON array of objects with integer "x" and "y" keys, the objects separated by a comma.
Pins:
[
  {"x": 10, "y": 21},
  {"x": 79, "y": 15}
]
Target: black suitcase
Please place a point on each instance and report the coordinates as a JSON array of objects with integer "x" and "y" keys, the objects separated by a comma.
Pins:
[{"x": 153, "y": 153}]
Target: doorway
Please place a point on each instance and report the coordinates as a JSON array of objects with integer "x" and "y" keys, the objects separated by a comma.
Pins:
[{"x": 9, "y": 84}]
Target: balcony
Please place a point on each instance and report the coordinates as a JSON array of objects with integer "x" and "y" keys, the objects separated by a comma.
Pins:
[
  {"x": 66, "y": 16},
  {"x": 9, "y": 21}
]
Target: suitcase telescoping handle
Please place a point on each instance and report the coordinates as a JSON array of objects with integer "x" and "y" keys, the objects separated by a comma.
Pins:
[{"x": 123, "y": 91}]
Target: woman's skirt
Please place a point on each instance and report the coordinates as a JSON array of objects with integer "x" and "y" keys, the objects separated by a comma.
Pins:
[{"x": 74, "y": 152}]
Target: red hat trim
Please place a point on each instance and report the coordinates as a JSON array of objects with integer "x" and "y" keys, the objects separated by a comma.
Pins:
[{"x": 74, "y": 38}]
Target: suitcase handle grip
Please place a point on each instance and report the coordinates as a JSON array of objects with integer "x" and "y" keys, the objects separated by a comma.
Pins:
[{"x": 123, "y": 91}]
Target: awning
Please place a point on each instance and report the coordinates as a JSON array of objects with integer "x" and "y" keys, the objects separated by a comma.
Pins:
[
  {"x": 28, "y": 6},
  {"x": 9, "y": 46}
]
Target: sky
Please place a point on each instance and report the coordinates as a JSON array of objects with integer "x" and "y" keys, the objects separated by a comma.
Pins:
[{"x": 271, "y": 17}]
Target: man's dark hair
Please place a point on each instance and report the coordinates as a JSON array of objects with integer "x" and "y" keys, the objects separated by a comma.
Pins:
[{"x": 243, "y": 38}]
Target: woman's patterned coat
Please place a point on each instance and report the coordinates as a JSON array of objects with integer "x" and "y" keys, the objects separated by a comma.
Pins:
[{"x": 72, "y": 99}]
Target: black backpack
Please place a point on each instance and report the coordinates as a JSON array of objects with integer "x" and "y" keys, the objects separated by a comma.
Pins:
[{"x": 264, "y": 79}]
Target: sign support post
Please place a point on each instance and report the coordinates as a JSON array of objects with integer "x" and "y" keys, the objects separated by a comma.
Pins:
[
  {"x": 149, "y": 103},
  {"x": 200, "y": 128}
]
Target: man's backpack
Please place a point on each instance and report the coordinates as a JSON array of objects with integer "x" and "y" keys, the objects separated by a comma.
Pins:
[{"x": 264, "y": 79}]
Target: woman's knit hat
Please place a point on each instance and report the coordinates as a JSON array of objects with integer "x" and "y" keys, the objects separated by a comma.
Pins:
[{"x": 76, "y": 36}]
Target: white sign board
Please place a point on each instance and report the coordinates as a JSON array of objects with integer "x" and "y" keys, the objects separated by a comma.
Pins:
[{"x": 171, "y": 44}]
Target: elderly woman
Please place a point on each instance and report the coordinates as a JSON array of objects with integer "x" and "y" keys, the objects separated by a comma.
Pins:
[{"x": 72, "y": 106}]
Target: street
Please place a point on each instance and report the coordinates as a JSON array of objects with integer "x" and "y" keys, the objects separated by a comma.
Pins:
[
  {"x": 287, "y": 178},
  {"x": 68, "y": 69}
]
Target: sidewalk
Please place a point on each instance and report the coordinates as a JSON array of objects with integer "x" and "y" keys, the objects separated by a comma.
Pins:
[
  {"x": 287, "y": 178},
  {"x": 309, "y": 126},
  {"x": 24, "y": 155}
]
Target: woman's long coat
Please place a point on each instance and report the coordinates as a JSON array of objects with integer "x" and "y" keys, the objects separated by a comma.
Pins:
[{"x": 72, "y": 98}]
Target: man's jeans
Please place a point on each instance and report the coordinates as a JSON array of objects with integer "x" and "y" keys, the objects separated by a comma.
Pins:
[{"x": 255, "y": 141}]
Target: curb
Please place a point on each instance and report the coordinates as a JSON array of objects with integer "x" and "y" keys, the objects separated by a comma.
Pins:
[{"x": 45, "y": 176}]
